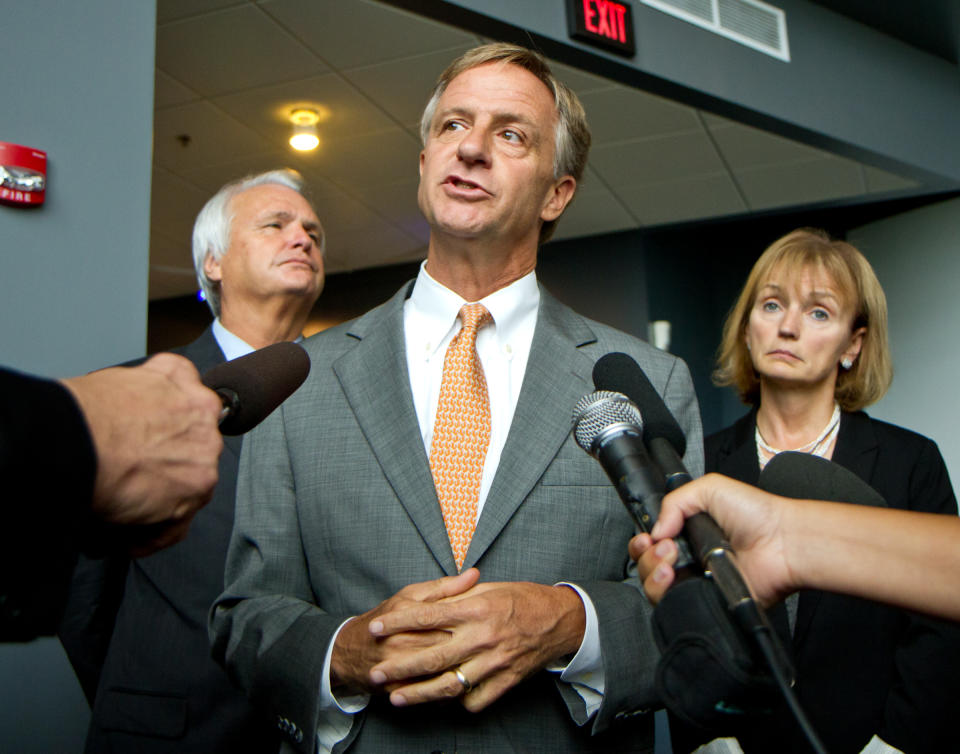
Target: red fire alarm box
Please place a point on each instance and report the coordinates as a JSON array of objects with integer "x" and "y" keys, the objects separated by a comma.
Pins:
[{"x": 23, "y": 175}]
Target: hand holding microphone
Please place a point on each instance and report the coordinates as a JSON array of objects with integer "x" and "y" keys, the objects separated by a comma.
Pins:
[
  {"x": 155, "y": 430},
  {"x": 715, "y": 639},
  {"x": 754, "y": 520}
]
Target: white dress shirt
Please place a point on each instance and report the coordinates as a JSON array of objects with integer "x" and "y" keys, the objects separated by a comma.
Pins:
[
  {"x": 232, "y": 346},
  {"x": 430, "y": 322}
]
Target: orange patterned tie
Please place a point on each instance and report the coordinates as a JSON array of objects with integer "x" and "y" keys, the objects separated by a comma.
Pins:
[{"x": 461, "y": 432}]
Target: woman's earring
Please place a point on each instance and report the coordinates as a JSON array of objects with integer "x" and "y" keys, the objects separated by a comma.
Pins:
[{"x": 846, "y": 362}]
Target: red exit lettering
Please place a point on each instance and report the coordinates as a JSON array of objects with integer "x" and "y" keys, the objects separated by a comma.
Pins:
[{"x": 609, "y": 19}]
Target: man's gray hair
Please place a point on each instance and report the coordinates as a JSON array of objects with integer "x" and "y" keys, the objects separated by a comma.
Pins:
[
  {"x": 211, "y": 231},
  {"x": 572, "y": 138}
]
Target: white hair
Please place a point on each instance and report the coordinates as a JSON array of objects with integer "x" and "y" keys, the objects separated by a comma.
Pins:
[{"x": 211, "y": 230}]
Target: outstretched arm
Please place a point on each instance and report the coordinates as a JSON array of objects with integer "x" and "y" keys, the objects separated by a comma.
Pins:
[{"x": 901, "y": 557}]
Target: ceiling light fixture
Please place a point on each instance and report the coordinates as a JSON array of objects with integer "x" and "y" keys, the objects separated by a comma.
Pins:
[{"x": 304, "y": 137}]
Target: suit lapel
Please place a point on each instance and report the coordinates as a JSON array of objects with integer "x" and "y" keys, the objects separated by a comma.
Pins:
[
  {"x": 557, "y": 375},
  {"x": 205, "y": 354},
  {"x": 740, "y": 460},
  {"x": 374, "y": 379}
]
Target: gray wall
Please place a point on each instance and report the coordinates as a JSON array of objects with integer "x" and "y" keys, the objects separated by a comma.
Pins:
[
  {"x": 917, "y": 258},
  {"x": 77, "y": 83}
]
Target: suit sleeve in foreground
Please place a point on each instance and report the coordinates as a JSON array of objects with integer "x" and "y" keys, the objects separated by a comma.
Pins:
[
  {"x": 48, "y": 464},
  {"x": 265, "y": 628},
  {"x": 629, "y": 651}
]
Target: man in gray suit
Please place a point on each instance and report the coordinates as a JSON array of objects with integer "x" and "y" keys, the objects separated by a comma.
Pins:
[
  {"x": 135, "y": 630},
  {"x": 346, "y": 614}
]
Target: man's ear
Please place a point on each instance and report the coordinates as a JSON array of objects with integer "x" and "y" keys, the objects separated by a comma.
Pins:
[
  {"x": 559, "y": 197},
  {"x": 211, "y": 266}
]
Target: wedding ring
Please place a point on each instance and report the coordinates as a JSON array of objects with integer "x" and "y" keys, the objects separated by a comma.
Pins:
[{"x": 463, "y": 680}]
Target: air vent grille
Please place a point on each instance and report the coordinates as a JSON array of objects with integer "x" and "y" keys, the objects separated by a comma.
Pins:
[{"x": 749, "y": 22}]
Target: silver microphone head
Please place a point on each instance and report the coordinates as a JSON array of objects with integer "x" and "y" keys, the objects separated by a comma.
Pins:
[{"x": 601, "y": 413}]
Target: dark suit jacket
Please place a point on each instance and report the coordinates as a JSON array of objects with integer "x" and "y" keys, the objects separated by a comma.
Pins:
[
  {"x": 136, "y": 633},
  {"x": 337, "y": 511},
  {"x": 48, "y": 465},
  {"x": 864, "y": 668}
]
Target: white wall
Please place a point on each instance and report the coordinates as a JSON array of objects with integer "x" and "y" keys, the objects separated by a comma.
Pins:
[{"x": 917, "y": 258}]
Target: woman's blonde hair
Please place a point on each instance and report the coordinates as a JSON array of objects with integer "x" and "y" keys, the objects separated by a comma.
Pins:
[{"x": 872, "y": 372}]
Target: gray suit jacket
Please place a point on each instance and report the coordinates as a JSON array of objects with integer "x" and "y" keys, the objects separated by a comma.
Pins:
[{"x": 337, "y": 511}]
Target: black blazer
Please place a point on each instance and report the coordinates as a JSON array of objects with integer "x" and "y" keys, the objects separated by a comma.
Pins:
[
  {"x": 136, "y": 633},
  {"x": 862, "y": 668}
]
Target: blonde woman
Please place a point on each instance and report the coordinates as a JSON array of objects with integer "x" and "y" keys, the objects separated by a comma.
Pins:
[{"x": 806, "y": 347}]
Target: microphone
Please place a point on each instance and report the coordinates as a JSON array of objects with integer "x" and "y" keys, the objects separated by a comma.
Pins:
[
  {"x": 689, "y": 677},
  {"x": 666, "y": 442},
  {"x": 609, "y": 427},
  {"x": 806, "y": 476},
  {"x": 252, "y": 386}
]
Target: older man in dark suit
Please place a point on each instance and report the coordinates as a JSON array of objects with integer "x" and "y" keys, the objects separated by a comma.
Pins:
[
  {"x": 423, "y": 559},
  {"x": 136, "y": 630}
]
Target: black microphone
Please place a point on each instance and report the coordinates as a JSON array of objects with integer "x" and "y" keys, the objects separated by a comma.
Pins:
[
  {"x": 666, "y": 442},
  {"x": 677, "y": 620},
  {"x": 805, "y": 476},
  {"x": 252, "y": 386}
]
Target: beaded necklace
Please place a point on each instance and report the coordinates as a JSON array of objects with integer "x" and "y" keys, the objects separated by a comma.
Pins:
[{"x": 818, "y": 447}]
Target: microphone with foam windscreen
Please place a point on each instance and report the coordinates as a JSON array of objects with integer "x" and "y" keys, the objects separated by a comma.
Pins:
[
  {"x": 252, "y": 386},
  {"x": 809, "y": 477}
]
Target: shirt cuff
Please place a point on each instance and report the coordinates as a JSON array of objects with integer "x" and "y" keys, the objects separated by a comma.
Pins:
[
  {"x": 585, "y": 671},
  {"x": 336, "y": 713},
  {"x": 877, "y": 745}
]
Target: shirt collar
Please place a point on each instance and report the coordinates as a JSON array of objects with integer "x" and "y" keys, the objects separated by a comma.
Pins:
[
  {"x": 232, "y": 346},
  {"x": 434, "y": 308}
]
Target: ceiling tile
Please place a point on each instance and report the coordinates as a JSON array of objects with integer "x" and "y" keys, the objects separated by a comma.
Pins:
[
  {"x": 880, "y": 180},
  {"x": 343, "y": 111},
  {"x": 358, "y": 33},
  {"x": 174, "y": 205},
  {"x": 379, "y": 244},
  {"x": 746, "y": 147},
  {"x": 800, "y": 183},
  {"x": 171, "y": 10},
  {"x": 402, "y": 87},
  {"x": 212, "y": 177},
  {"x": 398, "y": 203},
  {"x": 166, "y": 284},
  {"x": 620, "y": 114},
  {"x": 678, "y": 201},
  {"x": 172, "y": 255},
  {"x": 192, "y": 51},
  {"x": 384, "y": 157},
  {"x": 168, "y": 91},
  {"x": 171, "y": 267},
  {"x": 668, "y": 158},
  {"x": 215, "y": 137},
  {"x": 595, "y": 210},
  {"x": 340, "y": 214}
]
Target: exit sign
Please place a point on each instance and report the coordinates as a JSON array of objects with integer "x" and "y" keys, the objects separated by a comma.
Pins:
[{"x": 602, "y": 23}]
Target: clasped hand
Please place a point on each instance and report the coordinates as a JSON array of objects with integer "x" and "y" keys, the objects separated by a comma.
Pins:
[{"x": 496, "y": 634}]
